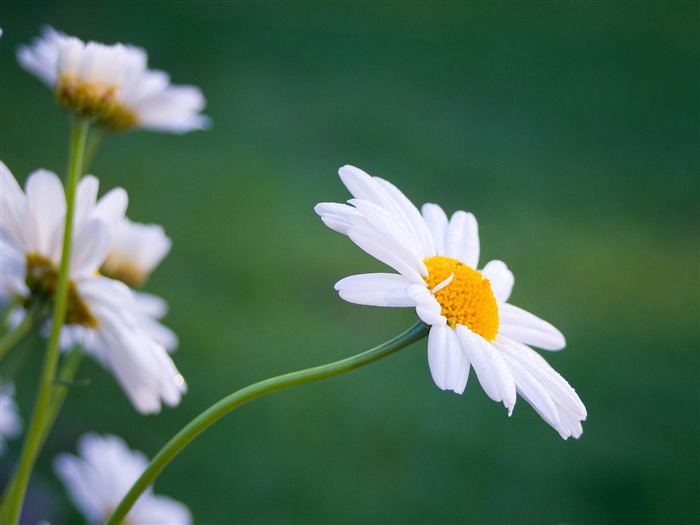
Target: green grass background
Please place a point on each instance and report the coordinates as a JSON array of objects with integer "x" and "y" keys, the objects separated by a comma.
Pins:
[{"x": 569, "y": 128}]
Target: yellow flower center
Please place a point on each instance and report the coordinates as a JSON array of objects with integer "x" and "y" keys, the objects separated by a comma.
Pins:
[
  {"x": 94, "y": 101},
  {"x": 124, "y": 271},
  {"x": 464, "y": 294},
  {"x": 42, "y": 278}
]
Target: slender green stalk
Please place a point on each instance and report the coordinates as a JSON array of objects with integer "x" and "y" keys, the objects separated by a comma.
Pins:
[
  {"x": 69, "y": 367},
  {"x": 33, "y": 440},
  {"x": 215, "y": 412},
  {"x": 12, "y": 337}
]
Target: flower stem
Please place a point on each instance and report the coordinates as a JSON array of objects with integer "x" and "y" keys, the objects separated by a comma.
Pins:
[
  {"x": 69, "y": 367},
  {"x": 33, "y": 440},
  {"x": 215, "y": 412}
]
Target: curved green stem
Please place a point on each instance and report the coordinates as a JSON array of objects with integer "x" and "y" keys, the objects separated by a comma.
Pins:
[
  {"x": 33, "y": 440},
  {"x": 254, "y": 391}
]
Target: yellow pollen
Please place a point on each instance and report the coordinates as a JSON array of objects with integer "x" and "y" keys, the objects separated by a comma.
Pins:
[
  {"x": 467, "y": 299},
  {"x": 124, "y": 271},
  {"x": 94, "y": 101}
]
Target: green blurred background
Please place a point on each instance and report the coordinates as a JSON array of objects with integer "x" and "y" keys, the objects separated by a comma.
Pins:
[{"x": 569, "y": 128}]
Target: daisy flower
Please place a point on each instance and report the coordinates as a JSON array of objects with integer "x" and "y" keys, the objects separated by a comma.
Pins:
[
  {"x": 10, "y": 423},
  {"x": 471, "y": 322},
  {"x": 136, "y": 250},
  {"x": 112, "y": 84},
  {"x": 103, "y": 314},
  {"x": 103, "y": 473}
]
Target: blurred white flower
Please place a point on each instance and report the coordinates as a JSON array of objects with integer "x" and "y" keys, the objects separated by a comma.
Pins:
[
  {"x": 472, "y": 325},
  {"x": 103, "y": 313},
  {"x": 136, "y": 250},
  {"x": 112, "y": 84},
  {"x": 10, "y": 422},
  {"x": 101, "y": 476}
]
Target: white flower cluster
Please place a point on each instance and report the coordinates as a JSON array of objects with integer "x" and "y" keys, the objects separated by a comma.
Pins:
[{"x": 119, "y": 327}]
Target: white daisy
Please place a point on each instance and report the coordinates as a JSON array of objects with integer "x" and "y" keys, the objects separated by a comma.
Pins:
[
  {"x": 101, "y": 476},
  {"x": 472, "y": 325},
  {"x": 10, "y": 422},
  {"x": 112, "y": 84},
  {"x": 136, "y": 250},
  {"x": 103, "y": 313}
]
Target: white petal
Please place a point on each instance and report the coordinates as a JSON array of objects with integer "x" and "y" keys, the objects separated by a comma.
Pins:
[
  {"x": 13, "y": 209},
  {"x": 427, "y": 307},
  {"x": 112, "y": 206},
  {"x": 436, "y": 220},
  {"x": 490, "y": 368},
  {"x": 556, "y": 385},
  {"x": 46, "y": 206},
  {"x": 363, "y": 186},
  {"x": 151, "y": 305},
  {"x": 391, "y": 226},
  {"x": 462, "y": 239},
  {"x": 85, "y": 198},
  {"x": 501, "y": 279},
  {"x": 133, "y": 368},
  {"x": 392, "y": 255},
  {"x": 81, "y": 486},
  {"x": 375, "y": 289},
  {"x": 570, "y": 424},
  {"x": 385, "y": 195},
  {"x": 411, "y": 216},
  {"x": 338, "y": 217},
  {"x": 90, "y": 248},
  {"x": 527, "y": 328},
  {"x": 174, "y": 109},
  {"x": 532, "y": 391},
  {"x": 159, "y": 509},
  {"x": 41, "y": 59},
  {"x": 449, "y": 365}
]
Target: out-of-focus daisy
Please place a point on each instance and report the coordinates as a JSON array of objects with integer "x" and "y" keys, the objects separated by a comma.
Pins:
[
  {"x": 112, "y": 84},
  {"x": 103, "y": 473},
  {"x": 103, "y": 313},
  {"x": 10, "y": 423},
  {"x": 472, "y": 325},
  {"x": 136, "y": 250}
]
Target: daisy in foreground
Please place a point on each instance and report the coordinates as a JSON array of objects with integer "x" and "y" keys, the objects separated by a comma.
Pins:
[
  {"x": 471, "y": 323},
  {"x": 112, "y": 84},
  {"x": 98, "y": 479}
]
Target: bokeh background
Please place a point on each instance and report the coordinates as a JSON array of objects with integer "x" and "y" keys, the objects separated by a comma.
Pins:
[{"x": 569, "y": 128}]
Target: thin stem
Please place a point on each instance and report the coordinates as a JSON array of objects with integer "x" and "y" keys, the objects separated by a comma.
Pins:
[
  {"x": 215, "y": 412},
  {"x": 33, "y": 440},
  {"x": 69, "y": 367},
  {"x": 12, "y": 337}
]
